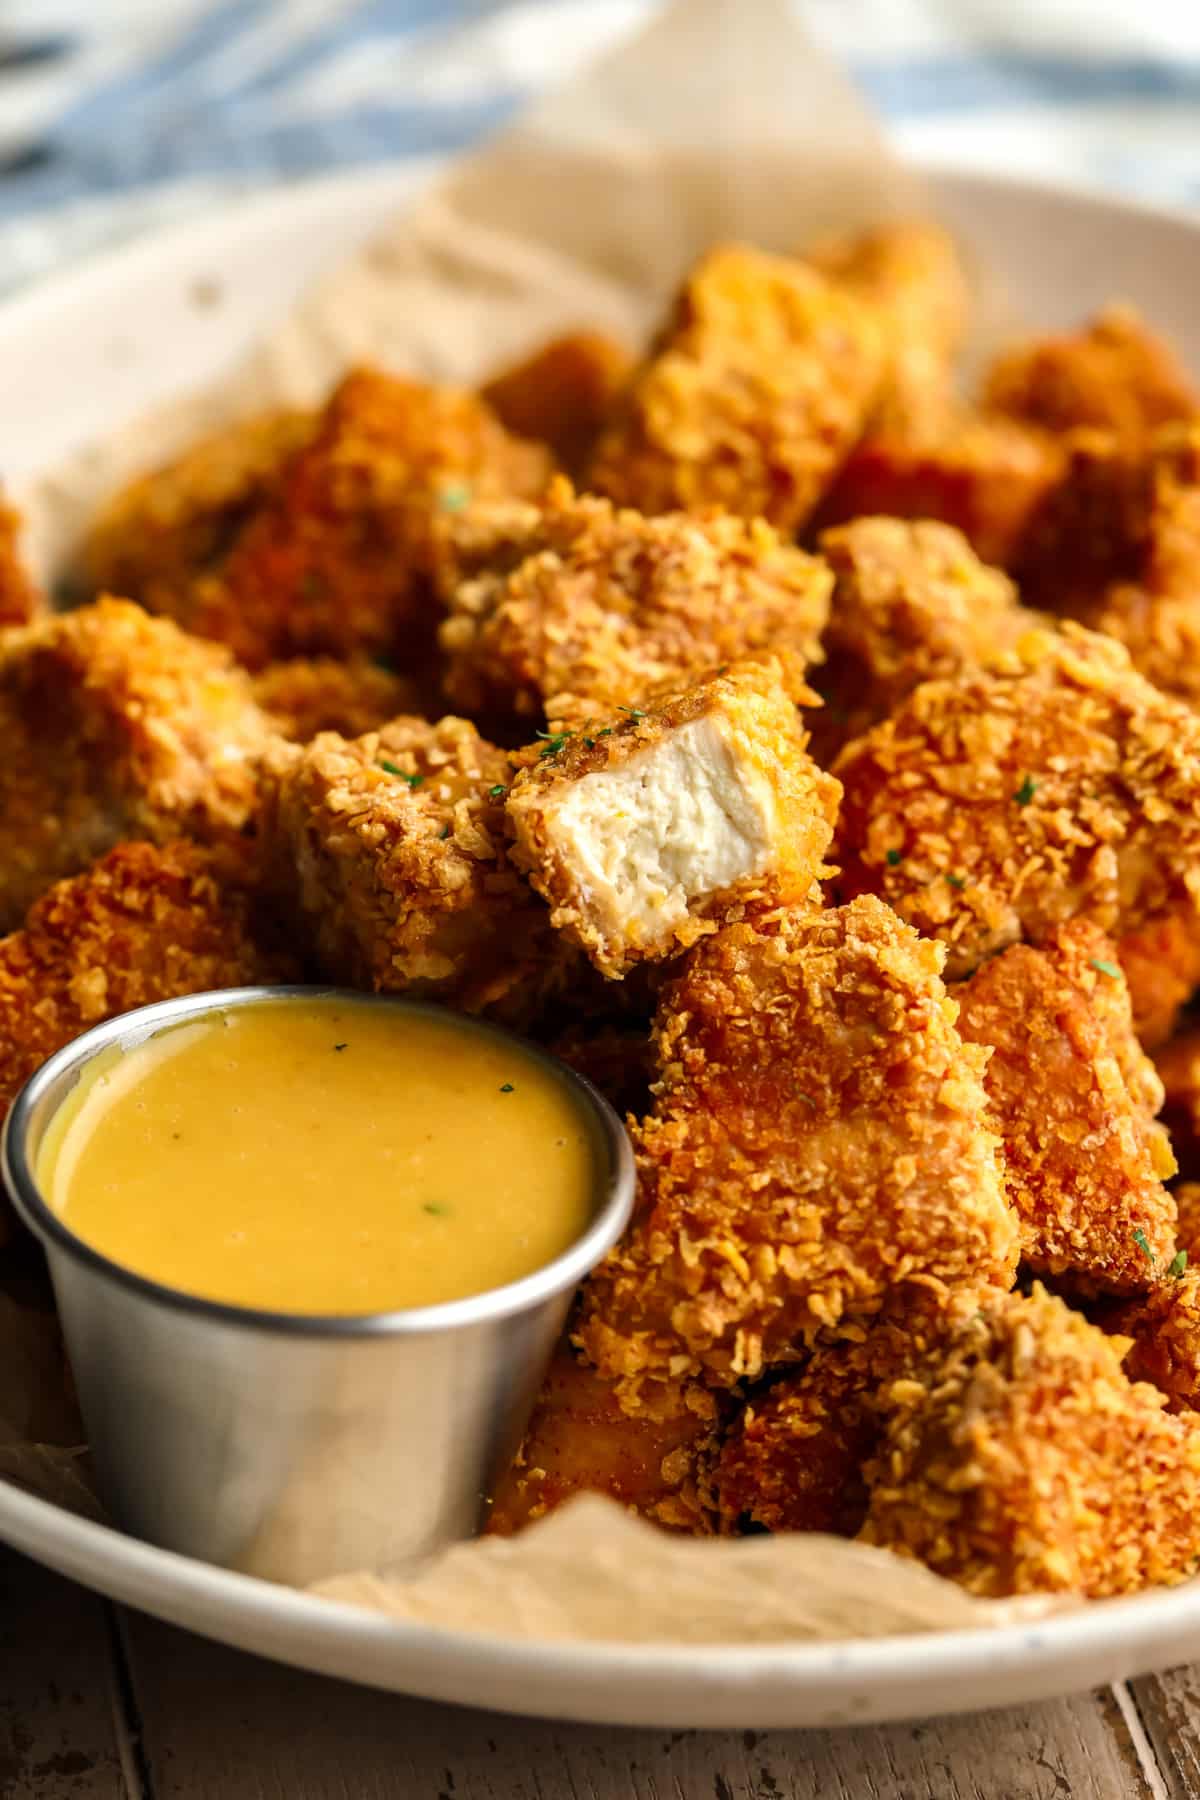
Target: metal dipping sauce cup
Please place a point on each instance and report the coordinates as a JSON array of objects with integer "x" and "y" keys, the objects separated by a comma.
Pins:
[{"x": 287, "y": 1445}]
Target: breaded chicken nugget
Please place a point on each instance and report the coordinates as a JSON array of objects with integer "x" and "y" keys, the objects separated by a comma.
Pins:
[
  {"x": 756, "y": 390},
  {"x": 1186, "y": 1195},
  {"x": 791, "y": 1459},
  {"x": 819, "y": 1148},
  {"x": 581, "y": 1440},
  {"x": 391, "y": 850},
  {"x": 19, "y": 597},
  {"x": 1161, "y": 961},
  {"x": 988, "y": 476},
  {"x": 337, "y": 555},
  {"x": 1073, "y": 1098},
  {"x": 1165, "y": 1328},
  {"x": 318, "y": 693},
  {"x": 154, "y": 537},
  {"x": 911, "y": 602},
  {"x": 646, "y": 833},
  {"x": 1023, "y": 1459},
  {"x": 562, "y": 393},
  {"x": 1178, "y": 1067},
  {"x": 589, "y": 607},
  {"x": 910, "y": 270},
  {"x": 1114, "y": 374},
  {"x": 993, "y": 807},
  {"x": 116, "y": 725}
]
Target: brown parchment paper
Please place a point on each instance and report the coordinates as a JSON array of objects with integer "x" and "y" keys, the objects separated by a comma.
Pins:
[{"x": 719, "y": 121}]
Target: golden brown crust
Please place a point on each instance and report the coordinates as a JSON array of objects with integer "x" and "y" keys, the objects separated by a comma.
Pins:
[
  {"x": 585, "y": 607},
  {"x": 562, "y": 393},
  {"x": 391, "y": 849},
  {"x": 153, "y": 538},
  {"x": 819, "y": 1147},
  {"x": 911, "y": 603},
  {"x": 1074, "y": 1099},
  {"x": 1161, "y": 960},
  {"x": 756, "y": 391},
  {"x": 758, "y": 723},
  {"x": 582, "y": 1440},
  {"x": 1178, "y": 1067},
  {"x": 312, "y": 694},
  {"x": 988, "y": 476},
  {"x": 116, "y": 725},
  {"x": 337, "y": 554},
  {"x": 1165, "y": 1328},
  {"x": 999, "y": 805},
  {"x": 1024, "y": 1460},
  {"x": 1113, "y": 374}
]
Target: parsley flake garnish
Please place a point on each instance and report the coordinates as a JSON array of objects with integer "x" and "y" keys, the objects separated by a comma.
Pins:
[
  {"x": 454, "y": 496},
  {"x": 498, "y": 792},
  {"x": 341, "y": 1046},
  {"x": 894, "y": 858},
  {"x": 436, "y": 1208},
  {"x": 589, "y": 743},
  {"x": 508, "y": 1088},
  {"x": 444, "y": 833},
  {"x": 1143, "y": 1244},
  {"x": 1103, "y": 967},
  {"x": 414, "y": 781},
  {"x": 1026, "y": 791},
  {"x": 607, "y": 732},
  {"x": 1177, "y": 1265},
  {"x": 554, "y": 744},
  {"x": 635, "y": 713},
  {"x": 956, "y": 881}
]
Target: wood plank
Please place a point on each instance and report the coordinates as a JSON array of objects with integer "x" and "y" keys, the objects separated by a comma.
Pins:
[
  {"x": 1169, "y": 1708},
  {"x": 215, "y": 1723},
  {"x": 58, "y": 1735}
]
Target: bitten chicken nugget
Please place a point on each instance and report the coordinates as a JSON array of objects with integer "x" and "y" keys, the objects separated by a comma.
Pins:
[
  {"x": 562, "y": 393},
  {"x": 1161, "y": 961},
  {"x": 116, "y": 725},
  {"x": 910, "y": 270},
  {"x": 337, "y": 555},
  {"x": 153, "y": 538},
  {"x": 819, "y": 1148},
  {"x": 758, "y": 387},
  {"x": 318, "y": 693},
  {"x": 1023, "y": 1459},
  {"x": 644, "y": 834},
  {"x": 911, "y": 602},
  {"x": 391, "y": 849},
  {"x": 1073, "y": 1098},
  {"x": 988, "y": 476},
  {"x": 581, "y": 1440},
  {"x": 993, "y": 807},
  {"x": 1178, "y": 1067},
  {"x": 19, "y": 597},
  {"x": 590, "y": 607},
  {"x": 1113, "y": 374}
]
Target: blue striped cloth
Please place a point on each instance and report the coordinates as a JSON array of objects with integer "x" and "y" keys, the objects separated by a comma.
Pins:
[{"x": 116, "y": 115}]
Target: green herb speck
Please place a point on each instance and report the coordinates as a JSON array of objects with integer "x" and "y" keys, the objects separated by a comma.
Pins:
[
  {"x": 1143, "y": 1244},
  {"x": 1177, "y": 1265},
  {"x": 454, "y": 496},
  {"x": 633, "y": 712},
  {"x": 444, "y": 833},
  {"x": 341, "y": 1046},
  {"x": 498, "y": 792},
  {"x": 1105, "y": 968},
  {"x": 436, "y": 1208},
  {"x": 894, "y": 858},
  {"x": 414, "y": 781},
  {"x": 956, "y": 881},
  {"x": 508, "y": 1088},
  {"x": 1026, "y": 791}
]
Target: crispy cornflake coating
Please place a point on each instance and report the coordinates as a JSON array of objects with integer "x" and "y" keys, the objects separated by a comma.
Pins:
[
  {"x": 911, "y": 602},
  {"x": 1114, "y": 374},
  {"x": 819, "y": 1148},
  {"x": 312, "y": 694},
  {"x": 1074, "y": 1099},
  {"x": 911, "y": 271},
  {"x": 1161, "y": 961},
  {"x": 392, "y": 850},
  {"x": 755, "y": 392},
  {"x": 1024, "y": 1460},
  {"x": 996, "y": 806},
  {"x": 156, "y": 535},
  {"x": 144, "y": 923},
  {"x": 19, "y": 597},
  {"x": 988, "y": 476},
  {"x": 562, "y": 393},
  {"x": 116, "y": 725},
  {"x": 337, "y": 555},
  {"x": 1165, "y": 1328},
  {"x": 1178, "y": 1067},
  {"x": 582, "y": 1440},
  {"x": 587, "y": 606},
  {"x": 644, "y": 834}
]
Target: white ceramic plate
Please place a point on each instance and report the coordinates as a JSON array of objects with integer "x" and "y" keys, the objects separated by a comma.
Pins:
[{"x": 88, "y": 351}]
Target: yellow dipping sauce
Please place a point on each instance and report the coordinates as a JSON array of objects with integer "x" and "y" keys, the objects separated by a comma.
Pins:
[{"x": 323, "y": 1158}]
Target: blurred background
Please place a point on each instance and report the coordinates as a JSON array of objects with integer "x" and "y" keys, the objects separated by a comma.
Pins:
[{"x": 119, "y": 115}]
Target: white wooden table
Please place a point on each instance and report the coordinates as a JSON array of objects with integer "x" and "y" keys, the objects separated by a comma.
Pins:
[{"x": 101, "y": 1704}]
